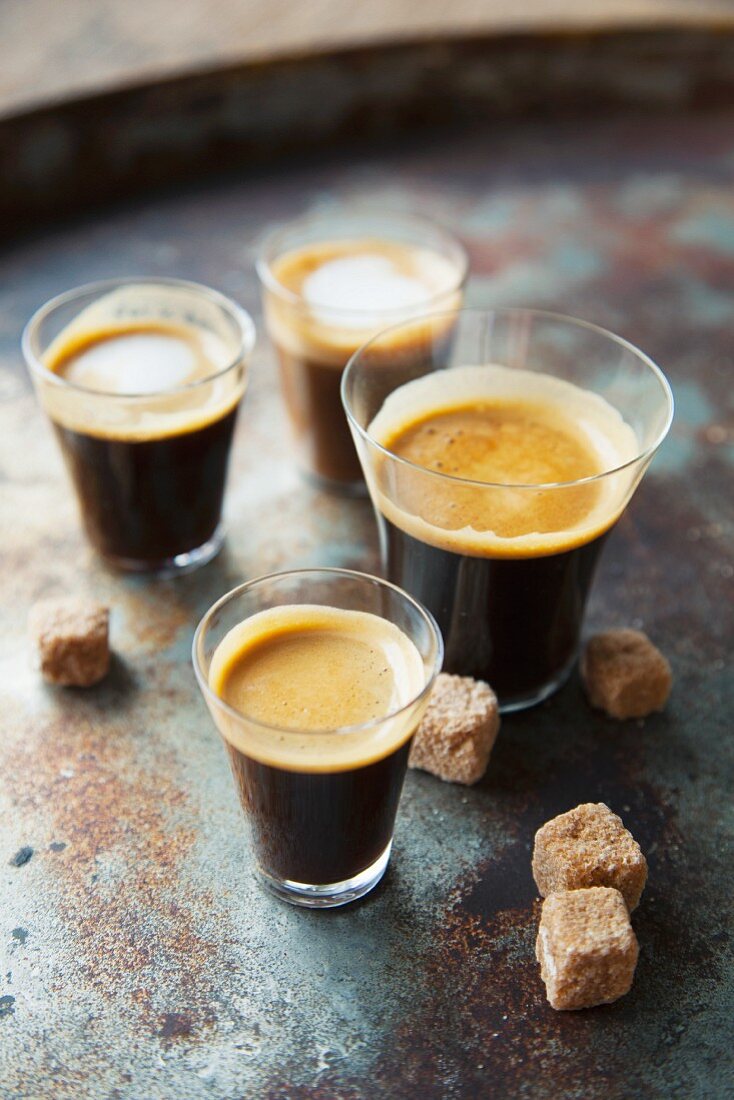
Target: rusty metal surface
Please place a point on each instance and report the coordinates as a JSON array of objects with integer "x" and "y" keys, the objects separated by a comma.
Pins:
[{"x": 139, "y": 958}]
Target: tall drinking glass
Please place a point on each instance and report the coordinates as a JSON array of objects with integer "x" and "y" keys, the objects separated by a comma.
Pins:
[
  {"x": 504, "y": 563},
  {"x": 331, "y": 281},
  {"x": 319, "y": 795}
]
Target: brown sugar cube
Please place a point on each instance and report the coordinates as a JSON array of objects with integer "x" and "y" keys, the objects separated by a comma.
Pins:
[
  {"x": 458, "y": 730},
  {"x": 625, "y": 674},
  {"x": 589, "y": 846},
  {"x": 71, "y": 637},
  {"x": 586, "y": 948}
]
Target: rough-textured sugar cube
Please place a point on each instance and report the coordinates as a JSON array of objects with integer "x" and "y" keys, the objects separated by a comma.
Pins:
[
  {"x": 586, "y": 948},
  {"x": 625, "y": 674},
  {"x": 458, "y": 730},
  {"x": 71, "y": 637},
  {"x": 589, "y": 846}
]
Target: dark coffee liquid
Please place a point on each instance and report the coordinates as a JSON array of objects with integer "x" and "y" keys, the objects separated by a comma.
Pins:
[
  {"x": 149, "y": 500},
  {"x": 316, "y": 827},
  {"x": 149, "y": 471},
  {"x": 313, "y": 397},
  {"x": 514, "y": 622}
]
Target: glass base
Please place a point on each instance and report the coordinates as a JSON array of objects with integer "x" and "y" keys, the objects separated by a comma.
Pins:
[
  {"x": 334, "y": 893},
  {"x": 172, "y": 567},
  {"x": 539, "y": 695}
]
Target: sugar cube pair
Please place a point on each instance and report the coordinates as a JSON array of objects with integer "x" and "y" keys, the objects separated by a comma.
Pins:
[{"x": 591, "y": 872}]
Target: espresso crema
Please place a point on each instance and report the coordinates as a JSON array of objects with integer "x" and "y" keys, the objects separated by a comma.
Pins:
[
  {"x": 315, "y": 670},
  {"x": 518, "y": 456}
]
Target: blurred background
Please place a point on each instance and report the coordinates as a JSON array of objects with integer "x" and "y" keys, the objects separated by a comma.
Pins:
[
  {"x": 55, "y": 49},
  {"x": 101, "y": 98}
]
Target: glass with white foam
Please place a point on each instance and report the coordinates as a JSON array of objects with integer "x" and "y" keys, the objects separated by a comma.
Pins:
[
  {"x": 319, "y": 795},
  {"x": 142, "y": 380},
  {"x": 505, "y": 565},
  {"x": 329, "y": 283}
]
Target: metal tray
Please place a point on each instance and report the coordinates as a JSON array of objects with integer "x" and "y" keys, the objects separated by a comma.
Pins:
[{"x": 140, "y": 958}]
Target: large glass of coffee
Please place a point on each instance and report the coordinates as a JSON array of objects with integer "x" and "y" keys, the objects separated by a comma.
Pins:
[
  {"x": 500, "y": 447},
  {"x": 142, "y": 380},
  {"x": 316, "y": 680},
  {"x": 329, "y": 283}
]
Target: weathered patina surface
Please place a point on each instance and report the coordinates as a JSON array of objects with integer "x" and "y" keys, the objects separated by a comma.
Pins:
[{"x": 139, "y": 958}]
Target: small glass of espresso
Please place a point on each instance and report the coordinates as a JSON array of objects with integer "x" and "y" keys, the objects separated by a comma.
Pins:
[
  {"x": 499, "y": 456},
  {"x": 330, "y": 282},
  {"x": 142, "y": 381},
  {"x": 316, "y": 679}
]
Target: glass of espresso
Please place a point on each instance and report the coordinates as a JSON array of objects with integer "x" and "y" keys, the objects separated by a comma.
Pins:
[
  {"x": 498, "y": 461},
  {"x": 316, "y": 680},
  {"x": 329, "y": 283},
  {"x": 142, "y": 380}
]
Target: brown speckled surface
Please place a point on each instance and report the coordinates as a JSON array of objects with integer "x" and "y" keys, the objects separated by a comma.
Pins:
[{"x": 139, "y": 959}]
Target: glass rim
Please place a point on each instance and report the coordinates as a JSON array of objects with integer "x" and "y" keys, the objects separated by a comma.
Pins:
[
  {"x": 354, "y": 574},
  {"x": 575, "y": 322},
  {"x": 263, "y": 263},
  {"x": 243, "y": 320}
]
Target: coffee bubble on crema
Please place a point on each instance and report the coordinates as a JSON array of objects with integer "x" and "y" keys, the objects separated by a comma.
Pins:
[
  {"x": 512, "y": 518},
  {"x": 144, "y": 361},
  {"x": 339, "y": 293},
  {"x": 299, "y": 726}
]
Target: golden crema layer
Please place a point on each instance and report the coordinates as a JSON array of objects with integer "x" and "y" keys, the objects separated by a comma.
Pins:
[
  {"x": 340, "y": 293},
  {"x": 312, "y": 672},
  {"x": 503, "y": 462},
  {"x": 139, "y": 378}
]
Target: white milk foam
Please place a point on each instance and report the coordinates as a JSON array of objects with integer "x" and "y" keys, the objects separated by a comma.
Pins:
[
  {"x": 599, "y": 423},
  {"x": 137, "y": 362},
  {"x": 373, "y": 282},
  {"x": 137, "y": 379},
  {"x": 353, "y": 289},
  {"x": 322, "y": 751}
]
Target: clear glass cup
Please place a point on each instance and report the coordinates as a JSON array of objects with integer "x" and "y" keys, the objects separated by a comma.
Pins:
[
  {"x": 314, "y": 344},
  {"x": 508, "y": 587},
  {"x": 149, "y": 468},
  {"x": 320, "y": 805}
]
